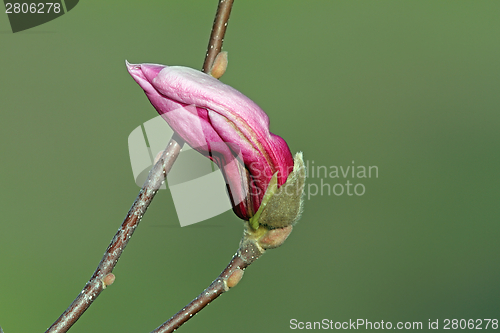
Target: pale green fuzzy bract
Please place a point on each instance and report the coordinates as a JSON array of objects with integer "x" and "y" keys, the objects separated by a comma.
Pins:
[{"x": 282, "y": 207}]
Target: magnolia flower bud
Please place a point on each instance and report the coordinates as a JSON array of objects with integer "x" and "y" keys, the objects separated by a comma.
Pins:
[{"x": 230, "y": 129}]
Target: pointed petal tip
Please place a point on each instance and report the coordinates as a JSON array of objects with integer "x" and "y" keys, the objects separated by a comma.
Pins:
[{"x": 131, "y": 66}]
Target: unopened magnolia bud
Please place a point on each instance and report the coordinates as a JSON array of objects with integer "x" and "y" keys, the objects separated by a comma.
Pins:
[
  {"x": 284, "y": 206},
  {"x": 219, "y": 66}
]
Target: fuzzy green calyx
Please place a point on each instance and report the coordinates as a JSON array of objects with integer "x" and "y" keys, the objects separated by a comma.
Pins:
[
  {"x": 272, "y": 188},
  {"x": 282, "y": 207}
]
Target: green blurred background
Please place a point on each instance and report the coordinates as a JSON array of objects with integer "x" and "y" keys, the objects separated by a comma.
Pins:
[{"x": 412, "y": 87}]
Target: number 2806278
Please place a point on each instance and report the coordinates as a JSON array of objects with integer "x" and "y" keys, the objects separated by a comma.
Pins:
[{"x": 32, "y": 8}]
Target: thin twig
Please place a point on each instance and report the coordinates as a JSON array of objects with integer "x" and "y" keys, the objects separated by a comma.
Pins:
[
  {"x": 95, "y": 285},
  {"x": 218, "y": 32},
  {"x": 155, "y": 179},
  {"x": 230, "y": 276}
]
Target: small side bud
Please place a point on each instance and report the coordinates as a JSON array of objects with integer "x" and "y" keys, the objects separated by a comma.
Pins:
[
  {"x": 219, "y": 66},
  {"x": 157, "y": 157},
  {"x": 275, "y": 237},
  {"x": 108, "y": 280},
  {"x": 234, "y": 278}
]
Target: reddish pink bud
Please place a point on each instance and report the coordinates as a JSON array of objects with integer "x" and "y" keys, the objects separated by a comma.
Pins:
[{"x": 221, "y": 123}]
